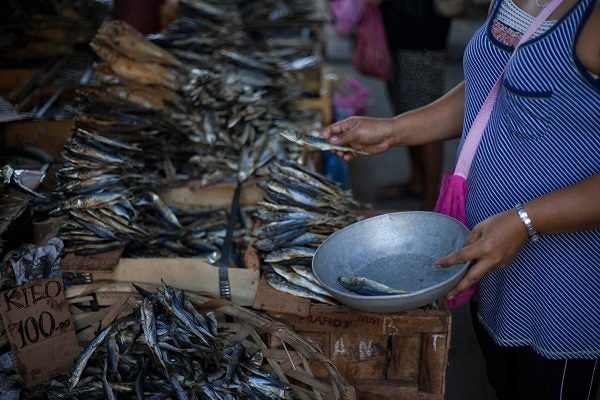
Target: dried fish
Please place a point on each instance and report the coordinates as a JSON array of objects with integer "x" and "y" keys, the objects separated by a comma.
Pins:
[
  {"x": 180, "y": 366},
  {"x": 316, "y": 142},
  {"x": 279, "y": 283},
  {"x": 367, "y": 287}
]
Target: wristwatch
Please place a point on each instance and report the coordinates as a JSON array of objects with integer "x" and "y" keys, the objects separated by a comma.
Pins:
[{"x": 531, "y": 232}]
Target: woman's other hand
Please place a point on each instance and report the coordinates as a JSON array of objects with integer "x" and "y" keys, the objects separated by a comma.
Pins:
[
  {"x": 493, "y": 243},
  {"x": 372, "y": 135}
]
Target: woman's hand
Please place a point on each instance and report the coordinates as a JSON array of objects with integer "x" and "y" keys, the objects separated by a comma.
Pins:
[
  {"x": 493, "y": 243},
  {"x": 372, "y": 135}
]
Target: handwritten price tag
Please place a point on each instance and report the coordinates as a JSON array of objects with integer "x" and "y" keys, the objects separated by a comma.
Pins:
[{"x": 40, "y": 331}]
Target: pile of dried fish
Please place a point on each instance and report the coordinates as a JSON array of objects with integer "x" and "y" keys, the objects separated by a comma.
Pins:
[
  {"x": 168, "y": 349},
  {"x": 117, "y": 159},
  {"x": 201, "y": 28},
  {"x": 229, "y": 115},
  {"x": 281, "y": 10},
  {"x": 300, "y": 210},
  {"x": 130, "y": 141},
  {"x": 155, "y": 124}
]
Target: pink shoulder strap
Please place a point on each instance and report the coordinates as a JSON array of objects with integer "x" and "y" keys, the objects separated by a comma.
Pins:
[{"x": 463, "y": 165}]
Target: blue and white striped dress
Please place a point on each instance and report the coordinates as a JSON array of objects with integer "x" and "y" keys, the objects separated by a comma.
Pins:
[{"x": 543, "y": 135}]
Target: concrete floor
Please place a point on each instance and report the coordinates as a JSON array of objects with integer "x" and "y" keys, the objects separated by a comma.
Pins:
[{"x": 466, "y": 371}]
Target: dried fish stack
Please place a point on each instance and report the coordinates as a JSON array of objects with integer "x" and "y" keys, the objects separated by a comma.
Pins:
[
  {"x": 300, "y": 210},
  {"x": 202, "y": 27},
  {"x": 281, "y": 10},
  {"x": 168, "y": 349},
  {"x": 229, "y": 114},
  {"x": 118, "y": 157},
  {"x": 144, "y": 130}
]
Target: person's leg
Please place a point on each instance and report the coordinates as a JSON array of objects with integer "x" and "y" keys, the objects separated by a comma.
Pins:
[
  {"x": 502, "y": 363},
  {"x": 421, "y": 79},
  {"x": 412, "y": 187},
  {"x": 560, "y": 379},
  {"x": 518, "y": 373},
  {"x": 418, "y": 80}
]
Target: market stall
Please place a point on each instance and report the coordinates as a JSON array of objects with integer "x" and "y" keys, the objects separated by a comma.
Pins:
[{"x": 176, "y": 216}]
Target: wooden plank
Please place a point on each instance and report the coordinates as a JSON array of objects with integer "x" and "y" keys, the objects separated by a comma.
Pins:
[
  {"x": 97, "y": 262},
  {"x": 368, "y": 323},
  {"x": 321, "y": 103},
  {"x": 82, "y": 299},
  {"x": 274, "y": 301},
  {"x": 48, "y": 135},
  {"x": 119, "y": 307},
  {"x": 100, "y": 287},
  {"x": 386, "y": 390},
  {"x": 359, "y": 356},
  {"x": 251, "y": 259},
  {"x": 107, "y": 298},
  {"x": 12, "y": 77},
  {"x": 192, "y": 195},
  {"x": 405, "y": 355},
  {"x": 191, "y": 274},
  {"x": 82, "y": 321},
  {"x": 433, "y": 363}
]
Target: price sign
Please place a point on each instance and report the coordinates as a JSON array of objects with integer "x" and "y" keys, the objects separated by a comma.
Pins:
[{"x": 40, "y": 331}]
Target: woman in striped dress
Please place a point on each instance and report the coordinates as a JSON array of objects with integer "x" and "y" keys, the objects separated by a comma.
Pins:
[{"x": 538, "y": 266}]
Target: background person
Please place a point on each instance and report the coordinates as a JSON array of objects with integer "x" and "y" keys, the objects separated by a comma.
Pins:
[{"x": 417, "y": 39}]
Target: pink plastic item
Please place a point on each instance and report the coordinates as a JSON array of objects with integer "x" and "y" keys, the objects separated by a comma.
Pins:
[
  {"x": 346, "y": 14},
  {"x": 453, "y": 193},
  {"x": 372, "y": 54},
  {"x": 354, "y": 100}
]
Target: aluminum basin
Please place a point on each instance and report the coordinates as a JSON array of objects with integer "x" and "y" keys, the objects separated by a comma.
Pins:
[{"x": 397, "y": 249}]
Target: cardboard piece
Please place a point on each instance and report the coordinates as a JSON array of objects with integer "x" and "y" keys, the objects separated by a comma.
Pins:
[
  {"x": 40, "y": 331},
  {"x": 98, "y": 262}
]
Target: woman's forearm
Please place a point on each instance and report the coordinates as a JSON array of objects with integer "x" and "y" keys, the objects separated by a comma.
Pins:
[
  {"x": 574, "y": 208},
  {"x": 437, "y": 121}
]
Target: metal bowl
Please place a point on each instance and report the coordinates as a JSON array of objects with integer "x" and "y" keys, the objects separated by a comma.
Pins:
[{"x": 397, "y": 249}]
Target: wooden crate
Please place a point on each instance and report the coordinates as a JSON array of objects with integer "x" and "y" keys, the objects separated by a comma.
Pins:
[
  {"x": 50, "y": 136},
  {"x": 191, "y": 274},
  {"x": 323, "y": 102},
  {"x": 384, "y": 356},
  {"x": 192, "y": 195},
  {"x": 10, "y": 78}
]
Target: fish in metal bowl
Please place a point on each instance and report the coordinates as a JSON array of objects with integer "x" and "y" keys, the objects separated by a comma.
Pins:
[{"x": 387, "y": 263}]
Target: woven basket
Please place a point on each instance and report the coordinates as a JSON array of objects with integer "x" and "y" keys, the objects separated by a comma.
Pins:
[{"x": 292, "y": 364}]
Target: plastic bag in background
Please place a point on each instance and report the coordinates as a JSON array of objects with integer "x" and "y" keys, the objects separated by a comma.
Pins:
[
  {"x": 372, "y": 54},
  {"x": 346, "y": 14},
  {"x": 30, "y": 262},
  {"x": 349, "y": 98}
]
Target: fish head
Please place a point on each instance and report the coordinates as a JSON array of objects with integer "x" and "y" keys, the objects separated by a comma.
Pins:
[
  {"x": 289, "y": 134},
  {"x": 6, "y": 174},
  {"x": 349, "y": 282}
]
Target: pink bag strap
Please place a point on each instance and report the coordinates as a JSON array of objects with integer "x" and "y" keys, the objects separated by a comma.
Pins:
[{"x": 463, "y": 165}]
